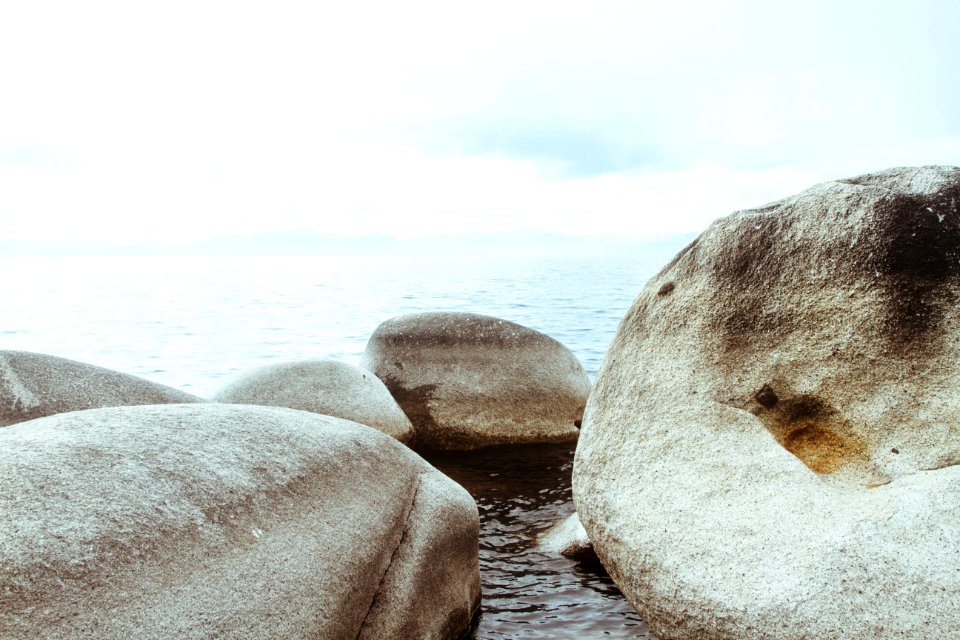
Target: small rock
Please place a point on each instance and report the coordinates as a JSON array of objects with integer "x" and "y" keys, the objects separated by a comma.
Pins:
[
  {"x": 567, "y": 538},
  {"x": 322, "y": 386}
]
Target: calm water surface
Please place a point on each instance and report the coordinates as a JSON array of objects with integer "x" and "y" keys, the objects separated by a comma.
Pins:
[{"x": 193, "y": 323}]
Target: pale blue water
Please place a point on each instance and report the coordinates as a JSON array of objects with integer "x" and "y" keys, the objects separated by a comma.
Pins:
[{"x": 192, "y": 323}]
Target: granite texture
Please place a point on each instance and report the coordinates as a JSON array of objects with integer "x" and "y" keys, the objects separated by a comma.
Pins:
[
  {"x": 33, "y": 385},
  {"x": 467, "y": 380},
  {"x": 771, "y": 446},
  {"x": 324, "y": 386},
  {"x": 211, "y": 520}
]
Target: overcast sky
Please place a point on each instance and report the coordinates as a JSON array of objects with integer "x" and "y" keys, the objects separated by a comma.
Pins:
[{"x": 179, "y": 121}]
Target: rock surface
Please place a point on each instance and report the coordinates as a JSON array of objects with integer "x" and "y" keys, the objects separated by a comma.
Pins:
[
  {"x": 771, "y": 447},
  {"x": 210, "y": 520},
  {"x": 33, "y": 385},
  {"x": 322, "y": 386},
  {"x": 468, "y": 381},
  {"x": 567, "y": 538}
]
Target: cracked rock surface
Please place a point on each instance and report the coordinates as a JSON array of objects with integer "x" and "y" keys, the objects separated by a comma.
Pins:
[
  {"x": 33, "y": 385},
  {"x": 468, "y": 381},
  {"x": 770, "y": 448},
  {"x": 210, "y": 520}
]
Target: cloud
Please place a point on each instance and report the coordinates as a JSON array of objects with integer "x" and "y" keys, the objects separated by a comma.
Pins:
[{"x": 191, "y": 120}]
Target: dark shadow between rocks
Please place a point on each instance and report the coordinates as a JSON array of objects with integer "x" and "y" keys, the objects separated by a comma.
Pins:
[
  {"x": 521, "y": 491},
  {"x": 415, "y": 402}
]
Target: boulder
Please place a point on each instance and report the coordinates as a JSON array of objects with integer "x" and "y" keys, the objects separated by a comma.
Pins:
[
  {"x": 33, "y": 385},
  {"x": 212, "y": 520},
  {"x": 771, "y": 448},
  {"x": 322, "y": 386},
  {"x": 567, "y": 538},
  {"x": 468, "y": 381}
]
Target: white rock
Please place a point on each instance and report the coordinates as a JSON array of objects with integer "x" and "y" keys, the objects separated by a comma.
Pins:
[
  {"x": 567, "y": 538},
  {"x": 211, "y": 520},
  {"x": 770, "y": 449},
  {"x": 322, "y": 386}
]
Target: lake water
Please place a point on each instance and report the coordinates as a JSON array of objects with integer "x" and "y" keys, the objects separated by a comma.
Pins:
[{"x": 193, "y": 323}]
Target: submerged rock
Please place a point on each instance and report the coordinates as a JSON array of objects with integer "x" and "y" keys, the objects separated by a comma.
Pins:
[
  {"x": 468, "y": 380},
  {"x": 322, "y": 386},
  {"x": 567, "y": 538},
  {"x": 33, "y": 385},
  {"x": 211, "y": 520},
  {"x": 771, "y": 448}
]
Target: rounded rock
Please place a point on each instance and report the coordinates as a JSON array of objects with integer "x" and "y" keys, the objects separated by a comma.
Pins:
[
  {"x": 771, "y": 448},
  {"x": 33, "y": 385},
  {"x": 567, "y": 538},
  {"x": 322, "y": 386},
  {"x": 467, "y": 380},
  {"x": 212, "y": 520}
]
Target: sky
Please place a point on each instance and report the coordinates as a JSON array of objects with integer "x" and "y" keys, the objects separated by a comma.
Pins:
[{"x": 185, "y": 121}]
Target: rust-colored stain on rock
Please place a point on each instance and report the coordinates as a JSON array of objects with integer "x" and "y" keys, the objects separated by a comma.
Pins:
[
  {"x": 819, "y": 448},
  {"x": 815, "y": 432}
]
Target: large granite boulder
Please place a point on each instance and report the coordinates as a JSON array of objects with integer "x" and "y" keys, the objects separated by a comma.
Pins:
[
  {"x": 468, "y": 381},
  {"x": 33, "y": 385},
  {"x": 771, "y": 448},
  {"x": 322, "y": 386},
  {"x": 212, "y": 520}
]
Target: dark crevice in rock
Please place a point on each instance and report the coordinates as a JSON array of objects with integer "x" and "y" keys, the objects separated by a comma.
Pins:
[
  {"x": 766, "y": 396},
  {"x": 393, "y": 555}
]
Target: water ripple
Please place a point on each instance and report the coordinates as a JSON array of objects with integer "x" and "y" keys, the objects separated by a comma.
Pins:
[{"x": 520, "y": 492}]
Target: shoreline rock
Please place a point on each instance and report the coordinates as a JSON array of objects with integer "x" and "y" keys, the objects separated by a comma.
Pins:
[
  {"x": 191, "y": 521},
  {"x": 324, "y": 386},
  {"x": 567, "y": 538},
  {"x": 34, "y": 385},
  {"x": 467, "y": 380},
  {"x": 771, "y": 447}
]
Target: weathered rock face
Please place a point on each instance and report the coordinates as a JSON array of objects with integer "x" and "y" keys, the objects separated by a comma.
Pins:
[
  {"x": 322, "y": 386},
  {"x": 33, "y": 385},
  {"x": 210, "y": 520},
  {"x": 468, "y": 381},
  {"x": 771, "y": 447}
]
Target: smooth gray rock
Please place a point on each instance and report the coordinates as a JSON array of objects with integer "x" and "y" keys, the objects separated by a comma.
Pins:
[
  {"x": 227, "y": 521},
  {"x": 771, "y": 448},
  {"x": 322, "y": 386},
  {"x": 33, "y": 385},
  {"x": 468, "y": 381},
  {"x": 567, "y": 538}
]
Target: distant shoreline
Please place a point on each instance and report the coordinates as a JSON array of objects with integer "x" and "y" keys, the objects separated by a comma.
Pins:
[{"x": 311, "y": 243}]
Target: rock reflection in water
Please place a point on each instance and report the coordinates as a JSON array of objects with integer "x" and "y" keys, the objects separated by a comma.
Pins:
[{"x": 521, "y": 491}]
